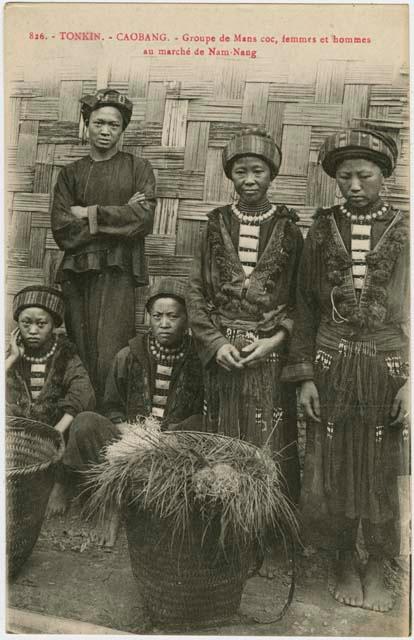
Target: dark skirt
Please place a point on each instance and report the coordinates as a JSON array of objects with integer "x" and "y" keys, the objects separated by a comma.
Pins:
[
  {"x": 354, "y": 457},
  {"x": 253, "y": 405}
]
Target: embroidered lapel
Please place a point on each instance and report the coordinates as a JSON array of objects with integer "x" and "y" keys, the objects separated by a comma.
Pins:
[
  {"x": 232, "y": 255},
  {"x": 370, "y": 259},
  {"x": 371, "y": 310},
  {"x": 268, "y": 261},
  {"x": 347, "y": 276}
]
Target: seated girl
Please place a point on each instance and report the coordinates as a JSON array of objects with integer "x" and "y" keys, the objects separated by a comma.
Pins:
[{"x": 45, "y": 378}]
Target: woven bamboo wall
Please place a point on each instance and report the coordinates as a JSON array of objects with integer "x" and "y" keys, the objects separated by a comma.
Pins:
[{"x": 182, "y": 118}]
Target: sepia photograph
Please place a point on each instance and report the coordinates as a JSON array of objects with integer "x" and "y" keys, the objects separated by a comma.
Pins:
[{"x": 207, "y": 319}]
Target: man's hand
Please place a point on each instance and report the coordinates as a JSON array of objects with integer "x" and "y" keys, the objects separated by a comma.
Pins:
[
  {"x": 123, "y": 427},
  {"x": 137, "y": 198},
  {"x": 401, "y": 406},
  {"x": 309, "y": 400},
  {"x": 228, "y": 357},
  {"x": 79, "y": 212}
]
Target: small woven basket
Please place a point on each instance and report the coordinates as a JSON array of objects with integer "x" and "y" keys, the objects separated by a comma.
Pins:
[
  {"x": 32, "y": 451},
  {"x": 185, "y": 580}
]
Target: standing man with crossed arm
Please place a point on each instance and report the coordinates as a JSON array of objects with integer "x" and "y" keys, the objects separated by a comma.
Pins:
[{"x": 102, "y": 210}]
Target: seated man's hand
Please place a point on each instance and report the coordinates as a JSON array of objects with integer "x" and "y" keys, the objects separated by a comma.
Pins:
[{"x": 123, "y": 426}]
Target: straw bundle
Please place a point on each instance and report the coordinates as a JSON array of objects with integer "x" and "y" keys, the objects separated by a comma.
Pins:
[
  {"x": 199, "y": 507},
  {"x": 174, "y": 475}
]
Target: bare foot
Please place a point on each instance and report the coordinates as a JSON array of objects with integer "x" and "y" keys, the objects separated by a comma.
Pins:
[
  {"x": 376, "y": 595},
  {"x": 271, "y": 566},
  {"x": 106, "y": 529},
  {"x": 348, "y": 588},
  {"x": 58, "y": 501}
]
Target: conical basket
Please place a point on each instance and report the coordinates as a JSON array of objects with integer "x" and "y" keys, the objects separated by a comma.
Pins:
[{"x": 32, "y": 451}]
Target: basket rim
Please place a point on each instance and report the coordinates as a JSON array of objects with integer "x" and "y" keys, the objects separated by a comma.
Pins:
[{"x": 20, "y": 424}]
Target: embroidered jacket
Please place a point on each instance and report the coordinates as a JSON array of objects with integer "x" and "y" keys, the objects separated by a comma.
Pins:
[
  {"x": 67, "y": 388},
  {"x": 219, "y": 288},
  {"x": 131, "y": 383},
  {"x": 327, "y": 306}
]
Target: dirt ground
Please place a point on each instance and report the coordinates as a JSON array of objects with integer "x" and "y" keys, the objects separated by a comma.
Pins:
[{"x": 70, "y": 577}]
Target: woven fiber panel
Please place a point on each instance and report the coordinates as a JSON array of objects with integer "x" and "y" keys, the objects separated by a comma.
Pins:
[{"x": 182, "y": 119}]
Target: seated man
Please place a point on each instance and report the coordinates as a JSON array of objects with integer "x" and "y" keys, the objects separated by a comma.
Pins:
[
  {"x": 45, "y": 379},
  {"x": 157, "y": 374}
]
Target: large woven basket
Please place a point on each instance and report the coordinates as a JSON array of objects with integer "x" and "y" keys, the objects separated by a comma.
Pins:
[
  {"x": 32, "y": 451},
  {"x": 190, "y": 580}
]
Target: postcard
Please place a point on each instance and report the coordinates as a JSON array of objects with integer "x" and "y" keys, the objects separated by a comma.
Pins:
[{"x": 207, "y": 281}]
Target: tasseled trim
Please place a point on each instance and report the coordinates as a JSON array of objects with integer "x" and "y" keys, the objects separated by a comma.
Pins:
[
  {"x": 323, "y": 359},
  {"x": 240, "y": 338},
  {"x": 205, "y": 407},
  {"x": 277, "y": 415},
  {"x": 378, "y": 459},
  {"x": 397, "y": 367},
  {"x": 349, "y": 348},
  {"x": 258, "y": 419},
  {"x": 330, "y": 469}
]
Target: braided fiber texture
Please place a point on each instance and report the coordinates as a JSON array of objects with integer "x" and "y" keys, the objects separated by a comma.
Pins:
[
  {"x": 32, "y": 452},
  {"x": 184, "y": 581}
]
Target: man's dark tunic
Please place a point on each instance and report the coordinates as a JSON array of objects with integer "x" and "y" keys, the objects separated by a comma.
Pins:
[{"x": 104, "y": 254}]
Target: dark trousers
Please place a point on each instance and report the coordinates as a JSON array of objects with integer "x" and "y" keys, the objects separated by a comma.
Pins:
[
  {"x": 88, "y": 435},
  {"x": 99, "y": 318}
]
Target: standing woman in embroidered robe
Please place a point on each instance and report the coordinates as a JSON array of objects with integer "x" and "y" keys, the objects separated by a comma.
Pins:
[
  {"x": 240, "y": 302},
  {"x": 349, "y": 352}
]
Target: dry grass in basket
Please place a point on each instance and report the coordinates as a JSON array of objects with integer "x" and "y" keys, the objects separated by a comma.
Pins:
[{"x": 175, "y": 474}]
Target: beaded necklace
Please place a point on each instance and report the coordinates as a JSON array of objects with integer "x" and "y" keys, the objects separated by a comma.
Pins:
[
  {"x": 253, "y": 217},
  {"x": 41, "y": 359},
  {"x": 367, "y": 218},
  {"x": 256, "y": 208},
  {"x": 166, "y": 356}
]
